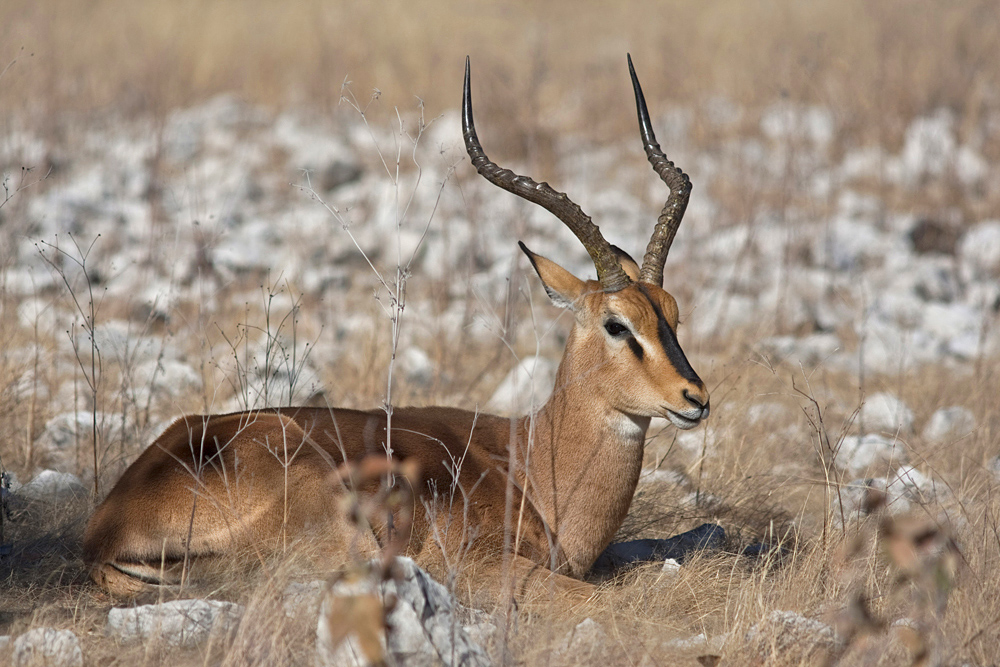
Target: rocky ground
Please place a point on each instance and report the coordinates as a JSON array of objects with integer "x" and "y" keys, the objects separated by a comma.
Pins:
[{"x": 227, "y": 257}]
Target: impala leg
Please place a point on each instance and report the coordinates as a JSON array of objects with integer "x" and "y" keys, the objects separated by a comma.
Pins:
[{"x": 484, "y": 582}]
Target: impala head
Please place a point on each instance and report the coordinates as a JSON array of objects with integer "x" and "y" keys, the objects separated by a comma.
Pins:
[{"x": 626, "y": 323}]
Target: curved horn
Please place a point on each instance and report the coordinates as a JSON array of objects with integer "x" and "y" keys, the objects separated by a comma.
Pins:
[
  {"x": 680, "y": 191},
  {"x": 609, "y": 271}
]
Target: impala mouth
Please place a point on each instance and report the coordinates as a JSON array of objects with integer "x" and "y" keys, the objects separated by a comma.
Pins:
[{"x": 682, "y": 422}]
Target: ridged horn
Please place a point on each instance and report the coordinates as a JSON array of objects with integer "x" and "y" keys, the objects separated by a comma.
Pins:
[
  {"x": 609, "y": 272},
  {"x": 680, "y": 191}
]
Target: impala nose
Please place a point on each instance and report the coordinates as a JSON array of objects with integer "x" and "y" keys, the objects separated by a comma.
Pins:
[{"x": 698, "y": 402}]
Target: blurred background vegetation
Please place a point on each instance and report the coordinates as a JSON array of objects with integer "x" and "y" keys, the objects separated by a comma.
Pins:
[{"x": 550, "y": 64}]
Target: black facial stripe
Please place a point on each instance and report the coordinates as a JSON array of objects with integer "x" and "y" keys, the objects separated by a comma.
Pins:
[
  {"x": 668, "y": 339},
  {"x": 633, "y": 345}
]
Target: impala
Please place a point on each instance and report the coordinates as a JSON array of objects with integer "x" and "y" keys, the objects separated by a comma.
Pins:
[{"x": 542, "y": 495}]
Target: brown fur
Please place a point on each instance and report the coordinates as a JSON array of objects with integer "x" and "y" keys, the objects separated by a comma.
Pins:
[{"x": 252, "y": 482}]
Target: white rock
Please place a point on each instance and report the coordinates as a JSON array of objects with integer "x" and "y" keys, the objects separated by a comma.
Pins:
[
  {"x": 810, "y": 350},
  {"x": 971, "y": 168},
  {"x": 885, "y": 413},
  {"x": 525, "y": 388},
  {"x": 425, "y": 629},
  {"x": 767, "y": 412},
  {"x": 929, "y": 146},
  {"x": 302, "y": 598},
  {"x": 890, "y": 348},
  {"x": 417, "y": 365},
  {"x": 789, "y": 121},
  {"x": 903, "y": 489},
  {"x": 862, "y": 163},
  {"x": 57, "y": 445},
  {"x": 851, "y": 244},
  {"x": 947, "y": 321},
  {"x": 670, "y": 567},
  {"x": 979, "y": 251},
  {"x": 914, "y": 485},
  {"x": 47, "y": 647},
  {"x": 53, "y": 486},
  {"x": 660, "y": 476},
  {"x": 585, "y": 639},
  {"x": 695, "y": 642},
  {"x": 868, "y": 454},
  {"x": 784, "y": 632},
  {"x": 950, "y": 423},
  {"x": 181, "y": 623},
  {"x": 699, "y": 642},
  {"x": 935, "y": 279},
  {"x": 718, "y": 313},
  {"x": 164, "y": 378},
  {"x": 119, "y": 341}
]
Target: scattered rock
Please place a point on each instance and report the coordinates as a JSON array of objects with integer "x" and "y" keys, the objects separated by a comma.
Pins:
[
  {"x": 793, "y": 637},
  {"x": 788, "y": 121},
  {"x": 699, "y": 642},
  {"x": 57, "y": 446},
  {"x": 526, "y": 387},
  {"x": 868, "y": 453},
  {"x": 767, "y": 412},
  {"x": 809, "y": 350},
  {"x": 979, "y": 251},
  {"x": 672, "y": 478},
  {"x": 587, "y": 640},
  {"x": 417, "y": 365},
  {"x": 929, "y": 147},
  {"x": 52, "y": 486},
  {"x": 303, "y": 598},
  {"x": 718, "y": 313},
  {"x": 182, "y": 623},
  {"x": 935, "y": 279},
  {"x": 670, "y": 567},
  {"x": 950, "y": 423},
  {"x": 896, "y": 495},
  {"x": 47, "y": 647},
  {"x": 886, "y": 413}
]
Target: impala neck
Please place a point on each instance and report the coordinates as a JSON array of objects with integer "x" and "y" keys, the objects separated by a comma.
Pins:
[{"x": 583, "y": 461}]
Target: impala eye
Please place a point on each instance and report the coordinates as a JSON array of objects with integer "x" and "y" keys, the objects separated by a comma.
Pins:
[{"x": 616, "y": 329}]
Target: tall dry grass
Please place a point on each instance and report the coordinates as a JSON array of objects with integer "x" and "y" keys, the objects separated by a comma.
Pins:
[{"x": 555, "y": 65}]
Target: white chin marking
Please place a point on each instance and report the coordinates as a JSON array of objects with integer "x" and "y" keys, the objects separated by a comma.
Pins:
[{"x": 682, "y": 422}]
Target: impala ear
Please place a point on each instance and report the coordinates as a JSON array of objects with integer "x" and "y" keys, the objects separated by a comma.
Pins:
[
  {"x": 629, "y": 266},
  {"x": 563, "y": 287}
]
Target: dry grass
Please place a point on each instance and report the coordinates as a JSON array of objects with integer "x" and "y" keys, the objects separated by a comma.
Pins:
[
  {"x": 740, "y": 486},
  {"x": 876, "y": 65}
]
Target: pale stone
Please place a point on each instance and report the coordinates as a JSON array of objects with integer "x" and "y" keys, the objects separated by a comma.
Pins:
[
  {"x": 525, "y": 388},
  {"x": 182, "y": 623},
  {"x": 871, "y": 453},
  {"x": 47, "y": 647},
  {"x": 886, "y": 413},
  {"x": 952, "y": 423}
]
